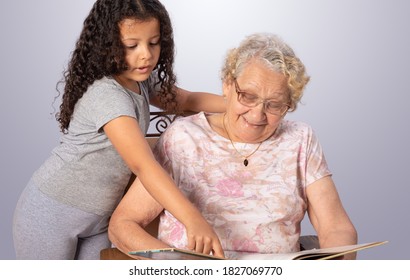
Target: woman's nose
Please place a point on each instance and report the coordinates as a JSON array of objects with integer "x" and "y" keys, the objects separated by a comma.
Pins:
[{"x": 257, "y": 113}]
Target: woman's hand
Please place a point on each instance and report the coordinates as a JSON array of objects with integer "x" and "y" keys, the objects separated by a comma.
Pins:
[{"x": 203, "y": 239}]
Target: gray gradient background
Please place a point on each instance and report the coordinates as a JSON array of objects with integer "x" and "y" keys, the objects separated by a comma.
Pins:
[{"x": 356, "y": 51}]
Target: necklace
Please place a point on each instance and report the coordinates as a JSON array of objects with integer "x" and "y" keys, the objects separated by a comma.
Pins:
[{"x": 245, "y": 161}]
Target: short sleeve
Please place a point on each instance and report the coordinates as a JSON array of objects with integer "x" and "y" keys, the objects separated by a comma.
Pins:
[
  {"x": 106, "y": 102},
  {"x": 316, "y": 165}
]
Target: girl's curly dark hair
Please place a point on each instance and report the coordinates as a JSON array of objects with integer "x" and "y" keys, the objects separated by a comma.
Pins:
[{"x": 99, "y": 52}]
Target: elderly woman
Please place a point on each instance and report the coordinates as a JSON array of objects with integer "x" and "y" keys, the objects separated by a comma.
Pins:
[{"x": 251, "y": 173}]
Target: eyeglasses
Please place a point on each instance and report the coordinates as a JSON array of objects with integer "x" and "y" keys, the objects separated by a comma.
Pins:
[{"x": 252, "y": 100}]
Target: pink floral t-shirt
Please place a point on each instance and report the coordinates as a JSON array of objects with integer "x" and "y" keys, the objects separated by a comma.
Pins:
[{"x": 254, "y": 208}]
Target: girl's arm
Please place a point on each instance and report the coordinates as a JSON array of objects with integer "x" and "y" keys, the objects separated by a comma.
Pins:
[
  {"x": 200, "y": 101},
  {"x": 189, "y": 101},
  {"x": 328, "y": 216},
  {"x": 126, "y": 136}
]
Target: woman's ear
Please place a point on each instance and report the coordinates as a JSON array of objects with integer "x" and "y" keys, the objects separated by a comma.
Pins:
[{"x": 226, "y": 89}]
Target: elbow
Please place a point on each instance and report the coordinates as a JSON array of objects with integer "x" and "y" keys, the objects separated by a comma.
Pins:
[
  {"x": 112, "y": 231},
  {"x": 354, "y": 234},
  {"x": 338, "y": 235},
  {"x": 115, "y": 228},
  {"x": 350, "y": 231}
]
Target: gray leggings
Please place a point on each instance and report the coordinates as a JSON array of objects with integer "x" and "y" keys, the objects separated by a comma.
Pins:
[{"x": 45, "y": 229}]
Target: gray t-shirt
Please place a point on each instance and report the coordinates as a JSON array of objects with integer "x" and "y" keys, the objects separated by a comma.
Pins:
[{"x": 85, "y": 170}]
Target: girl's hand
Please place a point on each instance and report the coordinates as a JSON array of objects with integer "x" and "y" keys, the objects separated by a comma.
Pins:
[{"x": 203, "y": 239}]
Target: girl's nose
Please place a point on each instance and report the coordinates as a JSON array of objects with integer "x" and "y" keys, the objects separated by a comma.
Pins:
[{"x": 145, "y": 53}]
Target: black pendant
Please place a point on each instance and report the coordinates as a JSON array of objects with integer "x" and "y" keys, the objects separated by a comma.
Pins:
[{"x": 245, "y": 162}]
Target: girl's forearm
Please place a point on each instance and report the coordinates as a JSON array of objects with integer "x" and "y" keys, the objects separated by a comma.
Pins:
[{"x": 163, "y": 189}]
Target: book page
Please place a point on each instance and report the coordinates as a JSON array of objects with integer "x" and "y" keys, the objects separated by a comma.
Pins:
[{"x": 326, "y": 253}]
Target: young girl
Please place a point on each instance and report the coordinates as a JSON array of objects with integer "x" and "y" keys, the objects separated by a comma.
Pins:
[{"x": 122, "y": 62}]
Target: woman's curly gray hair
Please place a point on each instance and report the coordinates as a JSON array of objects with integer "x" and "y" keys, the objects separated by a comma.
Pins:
[{"x": 275, "y": 54}]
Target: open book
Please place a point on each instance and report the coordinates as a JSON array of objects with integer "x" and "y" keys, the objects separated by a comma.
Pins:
[{"x": 313, "y": 254}]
